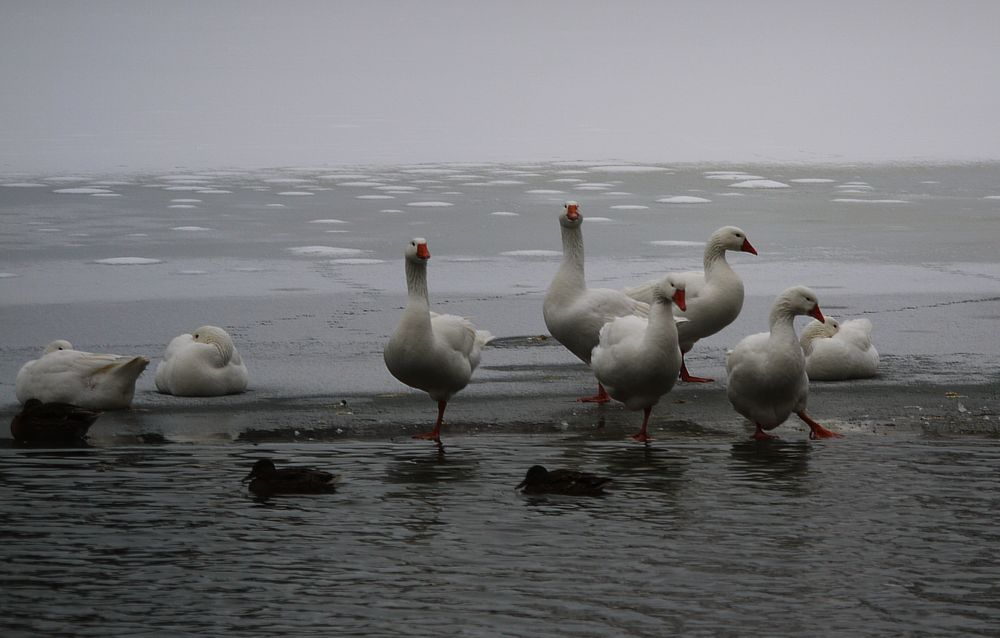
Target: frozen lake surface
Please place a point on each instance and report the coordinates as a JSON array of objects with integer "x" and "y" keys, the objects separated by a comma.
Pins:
[{"x": 889, "y": 530}]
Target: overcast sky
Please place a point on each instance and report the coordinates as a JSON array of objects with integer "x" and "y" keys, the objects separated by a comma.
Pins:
[{"x": 132, "y": 85}]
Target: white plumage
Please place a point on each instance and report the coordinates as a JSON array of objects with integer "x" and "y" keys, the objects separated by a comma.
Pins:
[
  {"x": 85, "y": 379},
  {"x": 637, "y": 360},
  {"x": 574, "y": 314},
  {"x": 431, "y": 352},
  {"x": 714, "y": 296},
  {"x": 767, "y": 371},
  {"x": 204, "y": 363},
  {"x": 837, "y": 351}
]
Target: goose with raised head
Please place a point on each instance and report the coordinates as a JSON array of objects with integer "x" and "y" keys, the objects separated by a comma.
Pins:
[
  {"x": 574, "y": 314},
  {"x": 204, "y": 363},
  {"x": 714, "y": 296},
  {"x": 88, "y": 380},
  {"x": 637, "y": 360},
  {"x": 838, "y": 351},
  {"x": 767, "y": 371},
  {"x": 427, "y": 351}
]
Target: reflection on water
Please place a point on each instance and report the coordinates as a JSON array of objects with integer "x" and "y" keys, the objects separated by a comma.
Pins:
[
  {"x": 860, "y": 536},
  {"x": 773, "y": 464}
]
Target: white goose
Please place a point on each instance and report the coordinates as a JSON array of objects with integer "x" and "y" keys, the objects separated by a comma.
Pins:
[
  {"x": 767, "y": 371},
  {"x": 637, "y": 360},
  {"x": 714, "y": 297},
  {"x": 84, "y": 379},
  {"x": 205, "y": 363},
  {"x": 837, "y": 351},
  {"x": 574, "y": 313},
  {"x": 431, "y": 352}
]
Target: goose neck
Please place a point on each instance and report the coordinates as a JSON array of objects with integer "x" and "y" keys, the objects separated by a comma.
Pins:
[
  {"x": 416, "y": 282},
  {"x": 572, "y": 271}
]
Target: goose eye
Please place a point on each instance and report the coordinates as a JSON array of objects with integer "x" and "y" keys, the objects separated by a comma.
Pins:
[{"x": 196, "y": 336}]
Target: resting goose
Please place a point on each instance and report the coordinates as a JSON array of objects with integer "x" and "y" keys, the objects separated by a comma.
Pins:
[
  {"x": 431, "y": 352},
  {"x": 204, "y": 363},
  {"x": 837, "y": 351},
  {"x": 638, "y": 359},
  {"x": 767, "y": 371},
  {"x": 714, "y": 297},
  {"x": 85, "y": 379},
  {"x": 574, "y": 313}
]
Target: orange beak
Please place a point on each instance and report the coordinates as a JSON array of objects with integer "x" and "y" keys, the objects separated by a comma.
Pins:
[
  {"x": 572, "y": 212},
  {"x": 422, "y": 251},
  {"x": 679, "y": 299},
  {"x": 817, "y": 314},
  {"x": 747, "y": 247}
]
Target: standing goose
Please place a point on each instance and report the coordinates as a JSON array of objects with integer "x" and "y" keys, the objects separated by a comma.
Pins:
[
  {"x": 431, "y": 352},
  {"x": 204, "y": 363},
  {"x": 574, "y": 313},
  {"x": 637, "y": 360},
  {"x": 714, "y": 297},
  {"x": 85, "y": 379},
  {"x": 767, "y": 371},
  {"x": 837, "y": 351}
]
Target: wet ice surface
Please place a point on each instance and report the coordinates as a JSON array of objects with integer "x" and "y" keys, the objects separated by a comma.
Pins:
[{"x": 888, "y": 530}]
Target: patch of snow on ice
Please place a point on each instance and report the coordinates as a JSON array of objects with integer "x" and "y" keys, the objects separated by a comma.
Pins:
[
  {"x": 684, "y": 199},
  {"x": 327, "y": 221},
  {"x": 430, "y": 204},
  {"x": 812, "y": 180},
  {"x": 847, "y": 200},
  {"x": 83, "y": 190},
  {"x": 374, "y": 197},
  {"x": 505, "y": 213},
  {"x": 629, "y": 207},
  {"x": 628, "y": 168},
  {"x": 543, "y": 191},
  {"x": 128, "y": 261},
  {"x": 24, "y": 185},
  {"x": 182, "y": 206},
  {"x": 193, "y": 229},
  {"x": 759, "y": 183},
  {"x": 295, "y": 193}
]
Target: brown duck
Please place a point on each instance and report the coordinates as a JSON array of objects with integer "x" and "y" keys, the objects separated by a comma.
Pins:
[
  {"x": 539, "y": 480},
  {"x": 265, "y": 478}
]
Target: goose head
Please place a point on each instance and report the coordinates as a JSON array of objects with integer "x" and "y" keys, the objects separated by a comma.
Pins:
[
  {"x": 732, "y": 238},
  {"x": 570, "y": 217},
  {"x": 416, "y": 251},
  {"x": 215, "y": 336},
  {"x": 799, "y": 300},
  {"x": 669, "y": 289},
  {"x": 818, "y": 330},
  {"x": 58, "y": 344}
]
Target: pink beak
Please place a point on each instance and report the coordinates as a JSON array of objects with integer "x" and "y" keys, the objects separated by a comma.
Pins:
[
  {"x": 815, "y": 312},
  {"x": 747, "y": 247}
]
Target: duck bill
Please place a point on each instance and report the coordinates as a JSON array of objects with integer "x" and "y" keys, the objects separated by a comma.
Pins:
[
  {"x": 249, "y": 476},
  {"x": 679, "y": 299},
  {"x": 422, "y": 251},
  {"x": 521, "y": 484},
  {"x": 817, "y": 314},
  {"x": 747, "y": 247}
]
